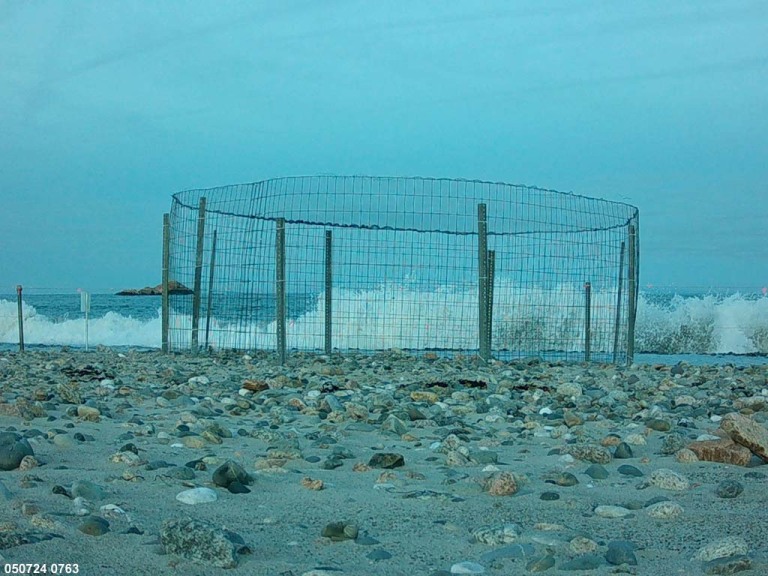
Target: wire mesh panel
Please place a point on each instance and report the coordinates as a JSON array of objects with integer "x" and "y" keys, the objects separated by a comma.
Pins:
[{"x": 403, "y": 268}]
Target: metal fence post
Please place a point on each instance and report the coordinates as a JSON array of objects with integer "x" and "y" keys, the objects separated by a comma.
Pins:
[
  {"x": 617, "y": 323},
  {"x": 587, "y": 320},
  {"x": 632, "y": 294},
  {"x": 482, "y": 280},
  {"x": 280, "y": 289},
  {"x": 198, "y": 272},
  {"x": 209, "y": 302},
  {"x": 328, "y": 291},
  {"x": 21, "y": 318},
  {"x": 489, "y": 299},
  {"x": 165, "y": 316}
]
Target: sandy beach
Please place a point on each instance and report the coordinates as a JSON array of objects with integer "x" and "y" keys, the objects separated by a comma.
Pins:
[{"x": 137, "y": 462}]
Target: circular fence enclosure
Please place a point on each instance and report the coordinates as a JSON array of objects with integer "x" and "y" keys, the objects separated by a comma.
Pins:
[{"x": 368, "y": 263}]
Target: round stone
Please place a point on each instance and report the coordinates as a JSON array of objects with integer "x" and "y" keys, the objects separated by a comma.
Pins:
[
  {"x": 386, "y": 460},
  {"x": 501, "y": 484},
  {"x": 88, "y": 490},
  {"x": 541, "y": 564},
  {"x": 230, "y": 472},
  {"x": 94, "y": 526},
  {"x": 562, "y": 479},
  {"x": 497, "y": 535},
  {"x": 13, "y": 448},
  {"x": 628, "y": 470},
  {"x": 622, "y": 451},
  {"x": 197, "y": 496},
  {"x": 664, "y": 510},
  {"x": 669, "y": 480},
  {"x": 729, "y": 489},
  {"x": 597, "y": 472},
  {"x": 549, "y": 496},
  {"x": 621, "y": 552},
  {"x": 467, "y": 568},
  {"x": 658, "y": 424},
  {"x": 612, "y": 511},
  {"x": 729, "y": 546}
]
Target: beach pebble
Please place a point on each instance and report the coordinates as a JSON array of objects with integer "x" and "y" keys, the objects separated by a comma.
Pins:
[
  {"x": 94, "y": 526},
  {"x": 664, "y": 510},
  {"x": 198, "y": 541},
  {"x": 596, "y": 472},
  {"x": 88, "y": 490},
  {"x": 629, "y": 470},
  {"x": 467, "y": 568},
  {"x": 583, "y": 562},
  {"x": 728, "y": 565},
  {"x": 667, "y": 479},
  {"x": 231, "y": 472},
  {"x": 729, "y": 489},
  {"x": 523, "y": 550},
  {"x": 386, "y": 460},
  {"x": 582, "y": 545},
  {"x": 621, "y": 552},
  {"x": 500, "y": 484},
  {"x": 13, "y": 448},
  {"x": 658, "y": 424},
  {"x": 561, "y": 479},
  {"x": 88, "y": 413},
  {"x": 612, "y": 511},
  {"x": 728, "y": 546},
  {"x": 541, "y": 564},
  {"x": 623, "y": 451},
  {"x": 378, "y": 554},
  {"x": 686, "y": 456},
  {"x": 497, "y": 535},
  {"x": 338, "y": 531},
  {"x": 197, "y": 496},
  {"x": 635, "y": 440},
  {"x": 589, "y": 453},
  {"x": 569, "y": 389}
]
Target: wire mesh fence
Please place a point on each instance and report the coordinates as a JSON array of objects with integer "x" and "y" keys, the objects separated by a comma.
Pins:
[{"x": 369, "y": 263}]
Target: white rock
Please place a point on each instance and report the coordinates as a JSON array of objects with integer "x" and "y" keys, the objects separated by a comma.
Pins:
[
  {"x": 570, "y": 389},
  {"x": 664, "y": 510},
  {"x": 467, "y": 568},
  {"x": 669, "y": 480},
  {"x": 497, "y": 535},
  {"x": 612, "y": 511},
  {"x": 730, "y": 546},
  {"x": 635, "y": 440},
  {"x": 199, "y": 381},
  {"x": 197, "y": 496}
]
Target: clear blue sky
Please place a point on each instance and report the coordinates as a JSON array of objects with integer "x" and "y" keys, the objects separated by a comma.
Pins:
[{"x": 109, "y": 107}]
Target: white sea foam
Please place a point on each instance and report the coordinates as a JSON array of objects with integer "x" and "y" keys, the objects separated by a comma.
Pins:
[{"x": 398, "y": 316}]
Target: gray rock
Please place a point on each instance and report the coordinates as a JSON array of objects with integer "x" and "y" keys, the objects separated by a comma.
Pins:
[
  {"x": 597, "y": 472},
  {"x": 13, "y": 448},
  {"x": 378, "y": 554},
  {"x": 729, "y": 489},
  {"x": 231, "y": 472},
  {"x": 629, "y": 470},
  {"x": 386, "y": 460},
  {"x": 672, "y": 443},
  {"x": 88, "y": 490},
  {"x": 729, "y": 565},
  {"x": 198, "y": 541},
  {"x": 94, "y": 526},
  {"x": 583, "y": 562},
  {"x": 622, "y": 450},
  {"x": 621, "y": 552}
]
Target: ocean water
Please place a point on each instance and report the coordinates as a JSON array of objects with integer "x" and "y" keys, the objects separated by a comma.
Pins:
[{"x": 699, "y": 327}]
